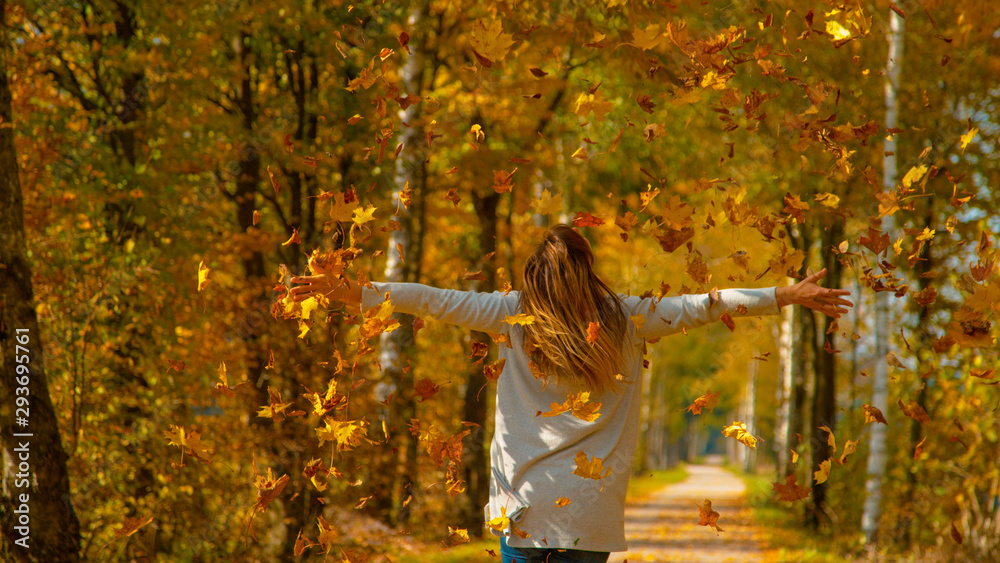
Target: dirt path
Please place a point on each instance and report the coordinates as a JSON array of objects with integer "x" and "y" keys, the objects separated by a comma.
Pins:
[{"x": 664, "y": 526}]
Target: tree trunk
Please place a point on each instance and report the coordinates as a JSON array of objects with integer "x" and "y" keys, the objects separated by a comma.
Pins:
[
  {"x": 36, "y": 514},
  {"x": 824, "y": 407},
  {"x": 750, "y": 416},
  {"x": 397, "y": 347},
  {"x": 783, "y": 432},
  {"x": 475, "y": 462},
  {"x": 876, "y": 450}
]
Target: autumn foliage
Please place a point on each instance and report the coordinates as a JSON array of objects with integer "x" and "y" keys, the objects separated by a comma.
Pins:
[{"x": 182, "y": 160}]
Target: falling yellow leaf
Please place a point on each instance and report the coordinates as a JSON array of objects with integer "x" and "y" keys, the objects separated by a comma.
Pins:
[
  {"x": 203, "y": 276},
  {"x": 519, "y": 319},
  {"x": 829, "y": 200},
  {"x": 647, "y": 38},
  {"x": 914, "y": 175},
  {"x": 823, "y": 473},
  {"x": 587, "y": 103},
  {"x": 501, "y": 522},
  {"x": 362, "y": 216},
  {"x": 489, "y": 42},
  {"x": 738, "y": 431},
  {"x": 837, "y": 32},
  {"x": 967, "y": 137},
  {"x": 547, "y": 204}
]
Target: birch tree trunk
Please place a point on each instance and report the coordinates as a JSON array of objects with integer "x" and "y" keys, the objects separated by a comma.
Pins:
[
  {"x": 398, "y": 347},
  {"x": 783, "y": 433},
  {"x": 876, "y": 452},
  {"x": 36, "y": 515}
]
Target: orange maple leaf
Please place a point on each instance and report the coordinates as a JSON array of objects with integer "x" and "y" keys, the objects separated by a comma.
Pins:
[
  {"x": 706, "y": 401},
  {"x": 493, "y": 371},
  {"x": 580, "y": 406},
  {"x": 590, "y": 469},
  {"x": 794, "y": 207},
  {"x": 708, "y": 517},
  {"x": 593, "y": 329},
  {"x": 585, "y": 219},
  {"x": 790, "y": 491},
  {"x": 426, "y": 389}
]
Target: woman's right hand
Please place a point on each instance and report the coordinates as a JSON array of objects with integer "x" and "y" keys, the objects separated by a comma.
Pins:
[{"x": 808, "y": 293}]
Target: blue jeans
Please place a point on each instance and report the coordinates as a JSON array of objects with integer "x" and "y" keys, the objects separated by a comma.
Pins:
[{"x": 549, "y": 555}]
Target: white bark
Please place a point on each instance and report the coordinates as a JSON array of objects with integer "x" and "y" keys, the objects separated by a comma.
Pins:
[
  {"x": 876, "y": 453},
  {"x": 783, "y": 432},
  {"x": 749, "y": 459}
]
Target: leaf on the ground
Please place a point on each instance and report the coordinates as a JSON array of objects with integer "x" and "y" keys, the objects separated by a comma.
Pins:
[
  {"x": 708, "y": 517},
  {"x": 562, "y": 501}
]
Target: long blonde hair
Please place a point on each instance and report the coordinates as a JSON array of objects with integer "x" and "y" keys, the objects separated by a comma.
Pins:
[{"x": 565, "y": 296}]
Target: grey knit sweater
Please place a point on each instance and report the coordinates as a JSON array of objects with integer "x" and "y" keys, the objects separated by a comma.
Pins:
[{"x": 533, "y": 457}]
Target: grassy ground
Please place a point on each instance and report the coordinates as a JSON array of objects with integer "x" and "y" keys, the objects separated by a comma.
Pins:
[
  {"x": 785, "y": 535},
  {"x": 477, "y": 551}
]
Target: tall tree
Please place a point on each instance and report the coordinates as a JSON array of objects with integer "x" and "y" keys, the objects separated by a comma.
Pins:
[
  {"x": 876, "y": 452},
  {"x": 397, "y": 347},
  {"x": 36, "y": 513}
]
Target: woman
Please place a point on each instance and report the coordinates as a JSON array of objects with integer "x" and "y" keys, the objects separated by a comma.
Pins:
[{"x": 557, "y": 493}]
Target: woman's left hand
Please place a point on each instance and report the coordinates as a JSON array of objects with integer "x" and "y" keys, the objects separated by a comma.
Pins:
[{"x": 829, "y": 301}]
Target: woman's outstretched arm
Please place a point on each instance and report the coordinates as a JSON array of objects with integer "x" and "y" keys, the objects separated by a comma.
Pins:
[{"x": 485, "y": 312}]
